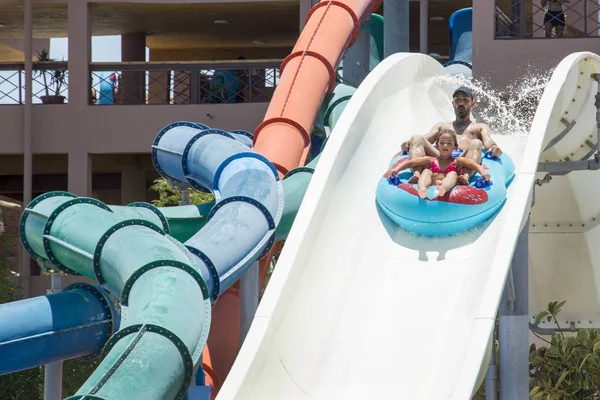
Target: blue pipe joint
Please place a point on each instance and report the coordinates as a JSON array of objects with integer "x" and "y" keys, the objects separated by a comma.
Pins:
[
  {"x": 74, "y": 323},
  {"x": 168, "y": 148}
]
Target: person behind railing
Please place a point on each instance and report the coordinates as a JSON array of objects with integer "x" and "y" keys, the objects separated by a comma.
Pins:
[
  {"x": 223, "y": 86},
  {"x": 554, "y": 17},
  {"x": 107, "y": 88}
]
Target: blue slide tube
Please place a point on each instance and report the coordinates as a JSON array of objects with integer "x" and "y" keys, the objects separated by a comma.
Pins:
[
  {"x": 73, "y": 323},
  {"x": 461, "y": 35},
  {"x": 460, "y": 25},
  {"x": 248, "y": 195}
]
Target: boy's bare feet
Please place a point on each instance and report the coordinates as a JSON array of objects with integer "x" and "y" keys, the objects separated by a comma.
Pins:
[
  {"x": 463, "y": 179},
  {"x": 415, "y": 177},
  {"x": 423, "y": 192}
]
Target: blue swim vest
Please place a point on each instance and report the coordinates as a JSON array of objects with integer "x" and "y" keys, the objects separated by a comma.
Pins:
[{"x": 461, "y": 208}]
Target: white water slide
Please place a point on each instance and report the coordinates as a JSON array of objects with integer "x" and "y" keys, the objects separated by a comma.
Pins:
[{"x": 358, "y": 308}]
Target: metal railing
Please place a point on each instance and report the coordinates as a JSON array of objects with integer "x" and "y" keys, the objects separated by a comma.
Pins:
[
  {"x": 50, "y": 83},
  {"x": 183, "y": 83},
  {"x": 532, "y": 19}
]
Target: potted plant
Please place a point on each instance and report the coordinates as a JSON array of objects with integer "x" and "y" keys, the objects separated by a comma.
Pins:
[{"x": 53, "y": 80}]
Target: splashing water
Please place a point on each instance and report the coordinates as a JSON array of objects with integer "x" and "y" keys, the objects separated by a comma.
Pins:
[{"x": 508, "y": 112}]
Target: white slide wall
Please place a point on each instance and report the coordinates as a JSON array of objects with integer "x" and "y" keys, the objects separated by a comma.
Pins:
[{"x": 358, "y": 308}]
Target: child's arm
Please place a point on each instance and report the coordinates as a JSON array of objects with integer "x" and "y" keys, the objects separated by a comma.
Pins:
[
  {"x": 415, "y": 162},
  {"x": 468, "y": 163}
]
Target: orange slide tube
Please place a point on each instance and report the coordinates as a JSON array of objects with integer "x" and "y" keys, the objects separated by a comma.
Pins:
[{"x": 306, "y": 76}]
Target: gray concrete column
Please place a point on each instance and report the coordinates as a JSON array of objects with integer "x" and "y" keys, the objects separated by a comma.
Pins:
[
  {"x": 24, "y": 258},
  {"x": 80, "y": 173},
  {"x": 424, "y": 26},
  {"x": 79, "y": 29},
  {"x": 249, "y": 294},
  {"x": 53, "y": 372},
  {"x": 396, "y": 27},
  {"x": 132, "y": 88},
  {"x": 305, "y": 6},
  {"x": 133, "y": 186},
  {"x": 513, "y": 325},
  {"x": 357, "y": 60}
]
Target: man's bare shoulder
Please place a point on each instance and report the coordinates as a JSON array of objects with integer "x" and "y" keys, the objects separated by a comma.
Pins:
[{"x": 482, "y": 126}]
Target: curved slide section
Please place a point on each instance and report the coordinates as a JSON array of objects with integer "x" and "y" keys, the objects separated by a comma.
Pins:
[
  {"x": 74, "y": 323},
  {"x": 564, "y": 232},
  {"x": 359, "y": 308},
  {"x": 162, "y": 283}
]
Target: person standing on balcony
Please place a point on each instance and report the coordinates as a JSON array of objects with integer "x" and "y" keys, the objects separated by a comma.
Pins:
[{"x": 555, "y": 17}]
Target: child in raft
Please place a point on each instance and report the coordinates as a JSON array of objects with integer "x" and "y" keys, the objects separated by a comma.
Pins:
[{"x": 442, "y": 171}]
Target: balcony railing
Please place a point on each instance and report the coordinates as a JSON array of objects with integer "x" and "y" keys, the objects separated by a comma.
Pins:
[
  {"x": 50, "y": 83},
  {"x": 183, "y": 83},
  {"x": 532, "y": 19}
]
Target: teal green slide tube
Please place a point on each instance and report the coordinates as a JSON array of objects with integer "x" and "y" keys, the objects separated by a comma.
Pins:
[
  {"x": 156, "y": 278},
  {"x": 180, "y": 222}
]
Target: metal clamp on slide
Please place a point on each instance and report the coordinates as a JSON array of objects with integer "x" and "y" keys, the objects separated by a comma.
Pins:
[
  {"x": 286, "y": 121},
  {"x": 333, "y": 105},
  {"x": 244, "y": 199},
  {"x": 355, "y": 20},
  {"x": 211, "y": 269},
  {"x": 238, "y": 156},
  {"x": 188, "y": 147},
  {"x": 155, "y": 210},
  {"x": 140, "y": 330},
  {"x": 108, "y": 234},
  {"x": 298, "y": 170},
  {"x": 30, "y": 209},
  {"x": 52, "y": 218},
  {"x": 159, "y": 264},
  {"x": 106, "y": 305},
  {"x": 167, "y": 128},
  {"x": 260, "y": 206}
]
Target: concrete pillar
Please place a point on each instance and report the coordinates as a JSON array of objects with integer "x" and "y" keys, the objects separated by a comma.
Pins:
[
  {"x": 24, "y": 260},
  {"x": 133, "y": 186},
  {"x": 248, "y": 299},
  {"x": 396, "y": 27},
  {"x": 79, "y": 29},
  {"x": 80, "y": 173},
  {"x": 513, "y": 325},
  {"x": 424, "y": 26},
  {"x": 53, "y": 372},
  {"x": 357, "y": 60},
  {"x": 132, "y": 87},
  {"x": 305, "y": 6}
]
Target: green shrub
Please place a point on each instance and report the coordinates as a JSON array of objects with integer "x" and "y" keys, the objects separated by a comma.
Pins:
[
  {"x": 568, "y": 367},
  {"x": 171, "y": 196}
]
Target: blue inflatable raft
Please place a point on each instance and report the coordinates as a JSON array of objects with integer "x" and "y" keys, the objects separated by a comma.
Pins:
[{"x": 461, "y": 208}]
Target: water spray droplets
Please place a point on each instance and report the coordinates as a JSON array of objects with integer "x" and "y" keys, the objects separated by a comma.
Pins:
[{"x": 507, "y": 112}]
